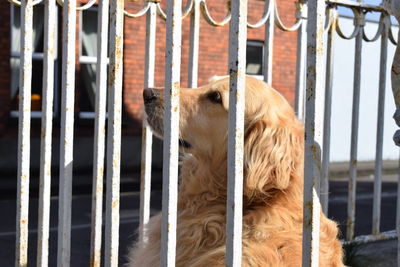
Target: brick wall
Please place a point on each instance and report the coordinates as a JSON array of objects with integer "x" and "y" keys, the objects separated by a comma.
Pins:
[
  {"x": 213, "y": 51},
  {"x": 213, "y": 57}
]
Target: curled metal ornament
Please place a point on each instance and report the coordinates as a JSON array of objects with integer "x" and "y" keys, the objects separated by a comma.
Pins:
[
  {"x": 161, "y": 12},
  {"x": 185, "y": 12},
  {"x": 208, "y": 17},
  {"x": 86, "y": 6},
  {"x": 358, "y": 24},
  {"x": 332, "y": 16},
  {"x": 36, "y": 2},
  {"x": 139, "y": 13},
  {"x": 378, "y": 33},
  {"x": 341, "y": 34},
  {"x": 392, "y": 39},
  {"x": 15, "y": 2},
  {"x": 18, "y": 3},
  {"x": 264, "y": 18},
  {"x": 281, "y": 26},
  {"x": 188, "y": 9},
  {"x": 60, "y": 2}
]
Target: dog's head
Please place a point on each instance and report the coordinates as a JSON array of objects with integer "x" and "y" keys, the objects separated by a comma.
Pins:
[{"x": 273, "y": 136}]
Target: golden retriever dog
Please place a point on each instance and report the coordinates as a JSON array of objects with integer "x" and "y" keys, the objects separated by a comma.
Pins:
[{"x": 273, "y": 182}]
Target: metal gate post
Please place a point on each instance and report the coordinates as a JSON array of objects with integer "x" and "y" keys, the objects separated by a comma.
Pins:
[
  {"x": 376, "y": 211},
  {"x": 171, "y": 132},
  {"x": 237, "y": 71},
  {"x": 359, "y": 22},
  {"x": 328, "y": 111},
  {"x": 301, "y": 59},
  {"x": 67, "y": 133},
  {"x": 46, "y": 130},
  {"x": 194, "y": 44},
  {"x": 24, "y": 129},
  {"x": 147, "y": 136},
  {"x": 99, "y": 133},
  {"x": 114, "y": 132},
  {"x": 313, "y": 131}
]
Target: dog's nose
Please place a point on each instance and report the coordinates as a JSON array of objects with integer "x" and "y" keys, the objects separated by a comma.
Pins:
[{"x": 149, "y": 95}]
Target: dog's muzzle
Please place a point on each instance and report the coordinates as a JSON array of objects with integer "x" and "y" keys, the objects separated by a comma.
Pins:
[
  {"x": 150, "y": 95},
  {"x": 155, "y": 114}
]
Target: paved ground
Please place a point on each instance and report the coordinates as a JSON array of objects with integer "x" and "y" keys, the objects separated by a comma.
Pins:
[{"x": 129, "y": 215}]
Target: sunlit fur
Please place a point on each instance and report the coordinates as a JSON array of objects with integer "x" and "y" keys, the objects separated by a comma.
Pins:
[{"x": 273, "y": 184}]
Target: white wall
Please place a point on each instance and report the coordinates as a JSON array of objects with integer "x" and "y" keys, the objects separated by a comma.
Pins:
[{"x": 343, "y": 94}]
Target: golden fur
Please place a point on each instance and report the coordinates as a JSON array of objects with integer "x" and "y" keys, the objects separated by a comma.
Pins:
[{"x": 273, "y": 183}]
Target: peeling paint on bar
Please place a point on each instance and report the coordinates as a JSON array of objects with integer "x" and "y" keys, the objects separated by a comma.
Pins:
[
  {"x": 67, "y": 133},
  {"x": 147, "y": 137},
  {"x": 171, "y": 132},
  {"x": 114, "y": 133},
  {"x": 237, "y": 71},
  {"x": 313, "y": 131},
  {"x": 327, "y": 114},
  {"x": 99, "y": 133},
  {"x": 24, "y": 128},
  {"x": 359, "y": 21},
  {"x": 301, "y": 60},
  {"x": 50, "y": 22},
  {"x": 376, "y": 209}
]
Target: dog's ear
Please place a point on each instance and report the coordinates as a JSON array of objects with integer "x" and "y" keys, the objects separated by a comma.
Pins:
[{"x": 272, "y": 157}]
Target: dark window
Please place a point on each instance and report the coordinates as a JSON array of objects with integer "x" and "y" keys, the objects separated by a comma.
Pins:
[
  {"x": 254, "y": 57},
  {"x": 88, "y": 60}
]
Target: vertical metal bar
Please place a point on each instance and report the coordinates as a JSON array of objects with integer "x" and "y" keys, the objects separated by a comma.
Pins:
[
  {"x": 237, "y": 71},
  {"x": 114, "y": 132},
  {"x": 376, "y": 209},
  {"x": 269, "y": 43},
  {"x": 24, "y": 128},
  {"x": 171, "y": 132},
  {"x": 147, "y": 137},
  {"x": 99, "y": 133},
  {"x": 351, "y": 203},
  {"x": 313, "y": 131},
  {"x": 327, "y": 117},
  {"x": 194, "y": 44},
  {"x": 46, "y": 132},
  {"x": 67, "y": 133},
  {"x": 301, "y": 59}
]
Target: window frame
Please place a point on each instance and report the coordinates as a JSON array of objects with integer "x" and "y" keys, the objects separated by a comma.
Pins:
[
  {"x": 87, "y": 115},
  {"x": 36, "y": 56},
  {"x": 258, "y": 43}
]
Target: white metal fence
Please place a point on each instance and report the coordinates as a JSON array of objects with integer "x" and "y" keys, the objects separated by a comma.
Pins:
[{"x": 314, "y": 78}]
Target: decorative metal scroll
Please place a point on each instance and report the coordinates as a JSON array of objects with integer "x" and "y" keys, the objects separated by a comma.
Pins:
[
  {"x": 270, "y": 8},
  {"x": 393, "y": 8}
]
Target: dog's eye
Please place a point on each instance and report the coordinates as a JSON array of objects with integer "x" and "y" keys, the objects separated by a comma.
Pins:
[{"x": 215, "y": 97}]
